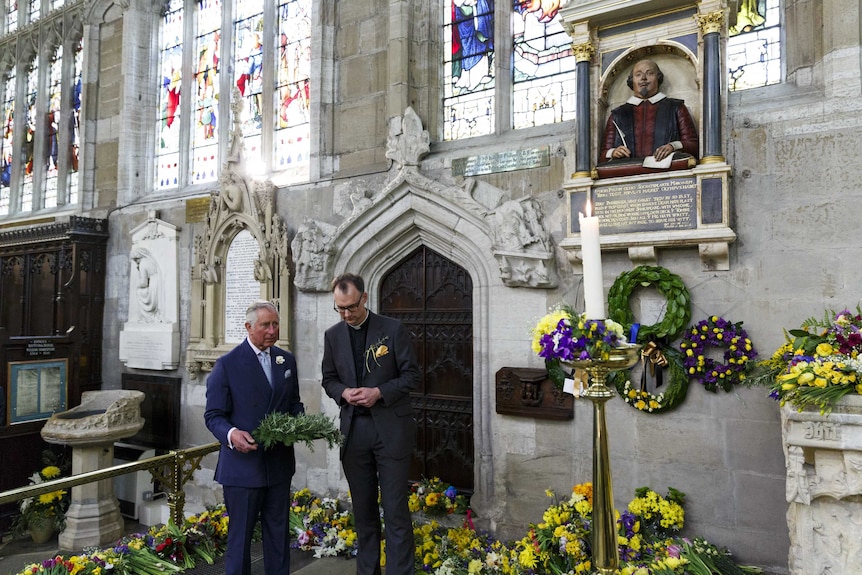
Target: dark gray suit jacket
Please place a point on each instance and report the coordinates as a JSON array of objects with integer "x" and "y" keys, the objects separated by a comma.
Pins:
[{"x": 395, "y": 371}]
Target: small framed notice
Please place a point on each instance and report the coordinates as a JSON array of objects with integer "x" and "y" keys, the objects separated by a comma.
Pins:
[{"x": 37, "y": 389}]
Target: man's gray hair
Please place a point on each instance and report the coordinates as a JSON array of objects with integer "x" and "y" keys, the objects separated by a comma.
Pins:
[{"x": 251, "y": 312}]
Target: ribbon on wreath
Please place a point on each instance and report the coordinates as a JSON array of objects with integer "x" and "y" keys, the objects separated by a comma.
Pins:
[{"x": 652, "y": 357}]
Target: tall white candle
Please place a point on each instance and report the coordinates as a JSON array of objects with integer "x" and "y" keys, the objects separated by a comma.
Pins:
[{"x": 591, "y": 256}]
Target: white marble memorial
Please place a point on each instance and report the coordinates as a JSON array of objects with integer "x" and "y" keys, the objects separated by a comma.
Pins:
[
  {"x": 824, "y": 488},
  {"x": 150, "y": 339}
]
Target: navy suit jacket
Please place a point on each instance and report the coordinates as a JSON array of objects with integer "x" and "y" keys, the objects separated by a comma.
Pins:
[
  {"x": 239, "y": 395},
  {"x": 396, "y": 373}
]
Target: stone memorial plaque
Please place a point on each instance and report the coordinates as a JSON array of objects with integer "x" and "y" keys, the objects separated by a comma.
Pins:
[
  {"x": 240, "y": 287},
  {"x": 657, "y": 205},
  {"x": 151, "y": 346},
  {"x": 507, "y": 161}
]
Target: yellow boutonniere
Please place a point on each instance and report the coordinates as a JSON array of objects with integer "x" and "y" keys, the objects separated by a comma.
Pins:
[
  {"x": 375, "y": 351},
  {"x": 279, "y": 359}
]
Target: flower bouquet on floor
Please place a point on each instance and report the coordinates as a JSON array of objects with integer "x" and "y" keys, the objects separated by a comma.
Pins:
[
  {"x": 818, "y": 363},
  {"x": 46, "y": 512},
  {"x": 436, "y": 499},
  {"x": 289, "y": 429}
]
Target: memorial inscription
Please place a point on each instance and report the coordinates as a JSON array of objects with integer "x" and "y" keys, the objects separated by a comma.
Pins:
[
  {"x": 39, "y": 347},
  {"x": 658, "y": 205},
  {"x": 240, "y": 287},
  {"x": 822, "y": 431},
  {"x": 507, "y": 161}
]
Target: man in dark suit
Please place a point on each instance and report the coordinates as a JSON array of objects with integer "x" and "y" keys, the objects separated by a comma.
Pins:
[
  {"x": 369, "y": 369},
  {"x": 256, "y": 484}
]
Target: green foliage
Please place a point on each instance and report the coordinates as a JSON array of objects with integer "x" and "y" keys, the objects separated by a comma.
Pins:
[{"x": 289, "y": 429}]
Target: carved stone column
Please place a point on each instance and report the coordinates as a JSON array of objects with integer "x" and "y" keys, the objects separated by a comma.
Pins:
[
  {"x": 583, "y": 55},
  {"x": 824, "y": 487},
  {"x": 710, "y": 26}
]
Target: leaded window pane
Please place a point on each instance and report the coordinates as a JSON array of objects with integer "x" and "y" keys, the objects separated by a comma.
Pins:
[
  {"x": 27, "y": 157},
  {"x": 248, "y": 65},
  {"x": 205, "y": 139},
  {"x": 468, "y": 63},
  {"x": 75, "y": 124},
  {"x": 169, "y": 122},
  {"x": 543, "y": 71},
  {"x": 754, "y": 45},
  {"x": 11, "y": 15},
  {"x": 6, "y": 145},
  {"x": 52, "y": 135},
  {"x": 292, "y": 123}
]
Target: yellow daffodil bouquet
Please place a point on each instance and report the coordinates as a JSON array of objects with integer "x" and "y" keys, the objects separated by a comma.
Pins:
[
  {"x": 46, "y": 508},
  {"x": 818, "y": 364}
]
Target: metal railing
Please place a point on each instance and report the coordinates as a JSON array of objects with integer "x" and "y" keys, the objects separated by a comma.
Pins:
[{"x": 172, "y": 470}]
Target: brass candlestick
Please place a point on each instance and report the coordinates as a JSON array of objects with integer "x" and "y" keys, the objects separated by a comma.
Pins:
[{"x": 605, "y": 551}]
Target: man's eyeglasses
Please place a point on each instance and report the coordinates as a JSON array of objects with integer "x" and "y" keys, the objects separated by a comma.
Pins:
[{"x": 348, "y": 308}]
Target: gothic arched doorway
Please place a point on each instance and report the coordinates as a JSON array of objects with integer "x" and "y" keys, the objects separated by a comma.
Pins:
[{"x": 434, "y": 298}]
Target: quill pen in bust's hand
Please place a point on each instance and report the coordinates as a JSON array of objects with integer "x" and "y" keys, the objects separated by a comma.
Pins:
[{"x": 620, "y": 132}]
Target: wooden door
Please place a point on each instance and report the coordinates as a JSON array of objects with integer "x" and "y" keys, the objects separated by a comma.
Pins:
[{"x": 434, "y": 298}]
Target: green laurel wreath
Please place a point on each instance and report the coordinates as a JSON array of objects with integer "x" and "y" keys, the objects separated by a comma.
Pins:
[
  {"x": 677, "y": 313},
  {"x": 676, "y": 317}
]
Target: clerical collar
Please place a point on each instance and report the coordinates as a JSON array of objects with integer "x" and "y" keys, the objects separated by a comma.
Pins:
[
  {"x": 364, "y": 321},
  {"x": 635, "y": 101}
]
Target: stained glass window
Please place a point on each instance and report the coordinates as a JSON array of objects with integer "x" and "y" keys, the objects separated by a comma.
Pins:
[
  {"x": 292, "y": 124},
  {"x": 754, "y": 45},
  {"x": 6, "y": 154},
  {"x": 11, "y": 15},
  {"x": 52, "y": 133},
  {"x": 75, "y": 125},
  {"x": 205, "y": 106},
  {"x": 41, "y": 102},
  {"x": 30, "y": 119},
  {"x": 542, "y": 82},
  {"x": 543, "y": 69},
  {"x": 269, "y": 50},
  {"x": 248, "y": 69},
  {"x": 171, "y": 77},
  {"x": 468, "y": 48}
]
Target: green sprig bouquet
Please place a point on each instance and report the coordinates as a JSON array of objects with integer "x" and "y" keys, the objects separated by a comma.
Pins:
[{"x": 289, "y": 429}]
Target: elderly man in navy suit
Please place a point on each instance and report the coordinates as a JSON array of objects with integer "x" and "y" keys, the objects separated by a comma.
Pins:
[
  {"x": 369, "y": 369},
  {"x": 252, "y": 380}
]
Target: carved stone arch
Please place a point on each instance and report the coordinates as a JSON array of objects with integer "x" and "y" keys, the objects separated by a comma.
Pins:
[
  {"x": 97, "y": 12},
  {"x": 412, "y": 211},
  {"x": 239, "y": 205}
]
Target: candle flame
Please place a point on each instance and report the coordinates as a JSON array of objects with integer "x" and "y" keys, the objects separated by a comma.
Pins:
[{"x": 588, "y": 208}]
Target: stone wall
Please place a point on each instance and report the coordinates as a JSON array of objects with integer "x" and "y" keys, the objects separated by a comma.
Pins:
[{"x": 796, "y": 207}]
